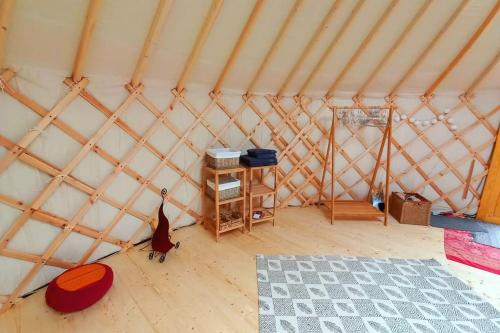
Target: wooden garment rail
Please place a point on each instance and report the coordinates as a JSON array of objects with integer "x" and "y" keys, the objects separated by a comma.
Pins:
[{"x": 358, "y": 209}]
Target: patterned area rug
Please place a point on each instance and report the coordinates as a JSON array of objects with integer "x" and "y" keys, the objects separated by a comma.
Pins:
[{"x": 361, "y": 294}]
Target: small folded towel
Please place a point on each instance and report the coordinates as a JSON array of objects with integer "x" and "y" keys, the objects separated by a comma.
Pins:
[
  {"x": 254, "y": 162},
  {"x": 262, "y": 153}
]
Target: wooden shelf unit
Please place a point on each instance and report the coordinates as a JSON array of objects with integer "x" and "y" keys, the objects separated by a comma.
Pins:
[
  {"x": 212, "y": 207},
  {"x": 257, "y": 193}
]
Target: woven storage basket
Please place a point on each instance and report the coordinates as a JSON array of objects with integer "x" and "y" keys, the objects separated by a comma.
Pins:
[
  {"x": 224, "y": 194},
  {"x": 222, "y": 163},
  {"x": 223, "y": 158},
  {"x": 410, "y": 212},
  {"x": 230, "y": 220}
]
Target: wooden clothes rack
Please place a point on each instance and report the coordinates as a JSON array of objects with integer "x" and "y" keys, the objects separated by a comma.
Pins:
[{"x": 358, "y": 209}]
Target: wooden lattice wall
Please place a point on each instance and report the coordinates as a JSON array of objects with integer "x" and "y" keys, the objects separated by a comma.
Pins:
[{"x": 169, "y": 151}]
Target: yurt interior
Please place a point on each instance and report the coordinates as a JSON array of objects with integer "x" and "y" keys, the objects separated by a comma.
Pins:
[{"x": 250, "y": 166}]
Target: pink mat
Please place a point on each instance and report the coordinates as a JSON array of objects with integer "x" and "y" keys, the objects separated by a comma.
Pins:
[{"x": 459, "y": 246}]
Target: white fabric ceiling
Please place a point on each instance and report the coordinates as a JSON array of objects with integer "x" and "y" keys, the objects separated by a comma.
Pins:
[{"x": 46, "y": 34}]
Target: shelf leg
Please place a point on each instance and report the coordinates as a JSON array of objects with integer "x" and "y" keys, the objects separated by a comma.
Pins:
[
  {"x": 275, "y": 194},
  {"x": 217, "y": 209}
]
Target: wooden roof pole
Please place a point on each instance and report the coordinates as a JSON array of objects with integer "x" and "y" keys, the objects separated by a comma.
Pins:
[
  {"x": 464, "y": 50},
  {"x": 151, "y": 41},
  {"x": 395, "y": 46},
  {"x": 239, "y": 44},
  {"x": 362, "y": 47},
  {"x": 5, "y": 14},
  {"x": 426, "y": 51},
  {"x": 275, "y": 45},
  {"x": 200, "y": 41},
  {"x": 83, "y": 47},
  {"x": 331, "y": 46},
  {"x": 312, "y": 42},
  {"x": 482, "y": 75}
]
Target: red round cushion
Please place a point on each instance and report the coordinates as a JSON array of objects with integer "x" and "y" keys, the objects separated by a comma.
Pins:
[{"x": 79, "y": 287}]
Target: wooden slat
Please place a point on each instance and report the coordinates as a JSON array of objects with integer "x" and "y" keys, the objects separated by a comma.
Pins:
[
  {"x": 423, "y": 55},
  {"x": 326, "y": 54},
  {"x": 35, "y": 258},
  {"x": 34, "y": 132},
  {"x": 56, "y": 181},
  {"x": 199, "y": 43},
  {"x": 395, "y": 46},
  {"x": 276, "y": 44},
  {"x": 484, "y": 72},
  {"x": 49, "y": 190},
  {"x": 239, "y": 44},
  {"x": 140, "y": 190},
  {"x": 366, "y": 41},
  {"x": 151, "y": 41},
  {"x": 85, "y": 37},
  {"x": 311, "y": 44},
  {"x": 56, "y": 221},
  {"x": 6, "y": 7},
  {"x": 44, "y": 166},
  {"x": 464, "y": 50}
]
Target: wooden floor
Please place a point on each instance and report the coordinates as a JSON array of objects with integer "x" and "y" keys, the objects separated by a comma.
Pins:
[{"x": 211, "y": 287}]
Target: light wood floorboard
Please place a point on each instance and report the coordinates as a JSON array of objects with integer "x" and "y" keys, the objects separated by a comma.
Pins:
[{"x": 211, "y": 287}]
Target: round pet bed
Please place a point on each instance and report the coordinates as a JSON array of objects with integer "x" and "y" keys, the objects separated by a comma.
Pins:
[{"x": 79, "y": 287}]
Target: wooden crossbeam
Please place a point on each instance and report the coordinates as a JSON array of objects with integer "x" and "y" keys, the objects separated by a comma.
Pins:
[
  {"x": 36, "y": 162},
  {"x": 307, "y": 142},
  {"x": 280, "y": 143},
  {"x": 340, "y": 151},
  {"x": 239, "y": 44},
  {"x": 56, "y": 221},
  {"x": 276, "y": 44},
  {"x": 112, "y": 176},
  {"x": 326, "y": 54},
  {"x": 151, "y": 41},
  {"x": 49, "y": 190},
  {"x": 6, "y": 7},
  {"x": 310, "y": 46},
  {"x": 457, "y": 135},
  {"x": 355, "y": 134},
  {"x": 199, "y": 43},
  {"x": 418, "y": 168},
  {"x": 217, "y": 137},
  {"x": 130, "y": 131},
  {"x": 139, "y": 191},
  {"x": 57, "y": 180},
  {"x": 34, "y": 258},
  {"x": 41, "y": 125},
  {"x": 432, "y": 154},
  {"x": 464, "y": 50},
  {"x": 395, "y": 46},
  {"x": 85, "y": 37},
  {"x": 359, "y": 51},
  {"x": 423, "y": 55}
]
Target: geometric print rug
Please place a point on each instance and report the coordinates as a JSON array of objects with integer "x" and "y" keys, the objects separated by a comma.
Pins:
[{"x": 362, "y": 294}]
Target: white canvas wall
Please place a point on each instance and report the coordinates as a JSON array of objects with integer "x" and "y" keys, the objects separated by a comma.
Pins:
[{"x": 23, "y": 182}]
